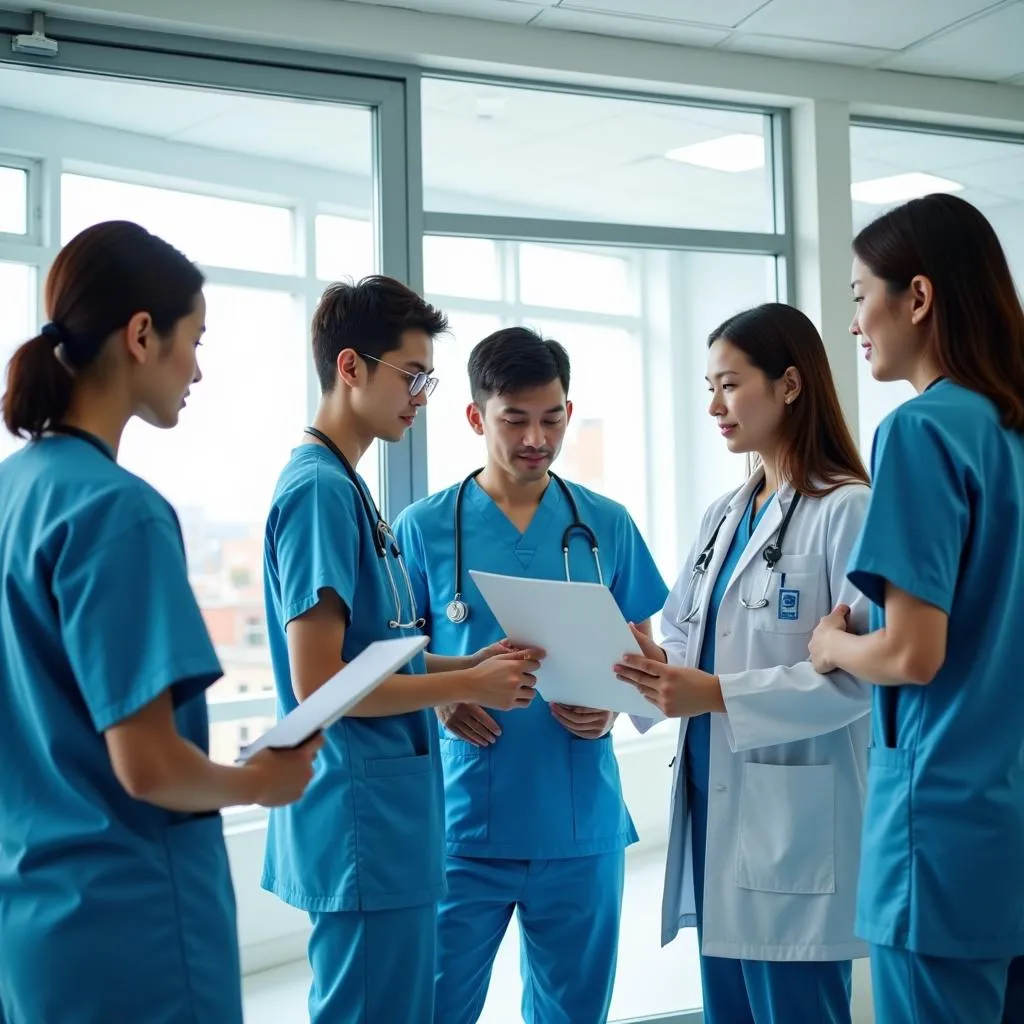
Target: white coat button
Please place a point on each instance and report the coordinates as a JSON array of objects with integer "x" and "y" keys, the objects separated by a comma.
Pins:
[
  {"x": 725, "y": 633},
  {"x": 720, "y": 788}
]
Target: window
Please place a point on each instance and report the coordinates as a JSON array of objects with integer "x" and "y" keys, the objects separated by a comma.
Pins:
[
  {"x": 344, "y": 248},
  {"x": 211, "y": 230},
  {"x": 507, "y": 150},
  {"x": 892, "y": 164},
  {"x": 243, "y": 735},
  {"x": 17, "y": 325},
  {"x": 13, "y": 201}
]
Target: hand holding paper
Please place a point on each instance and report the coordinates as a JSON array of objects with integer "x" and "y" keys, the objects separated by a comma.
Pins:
[{"x": 583, "y": 633}]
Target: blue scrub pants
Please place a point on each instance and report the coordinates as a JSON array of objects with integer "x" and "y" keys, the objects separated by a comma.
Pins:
[
  {"x": 373, "y": 966},
  {"x": 755, "y": 991},
  {"x": 912, "y": 989},
  {"x": 569, "y": 935}
]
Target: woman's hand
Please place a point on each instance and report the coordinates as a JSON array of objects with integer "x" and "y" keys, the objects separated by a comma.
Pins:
[{"x": 679, "y": 692}]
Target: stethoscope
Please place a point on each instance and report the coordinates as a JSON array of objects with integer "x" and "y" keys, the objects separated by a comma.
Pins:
[
  {"x": 383, "y": 538},
  {"x": 771, "y": 555},
  {"x": 457, "y": 610}
]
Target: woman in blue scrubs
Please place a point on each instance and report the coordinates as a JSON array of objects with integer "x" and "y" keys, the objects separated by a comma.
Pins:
[
  {"x": 769, "y": 784},
  {"x": 116, "y": 902},
  {"x": 941, "y": 559}
]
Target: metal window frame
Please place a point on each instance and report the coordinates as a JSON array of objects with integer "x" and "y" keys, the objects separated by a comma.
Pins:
[
  {"x": 945, "y": 129},
  {"x": 33, "y": 201}
]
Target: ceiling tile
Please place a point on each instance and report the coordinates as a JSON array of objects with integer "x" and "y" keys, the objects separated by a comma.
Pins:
[
  {"x": 515, "y": 11},
  {"x": 988, "y": 48},
  {"x": 804, "y": 49},
  {"x": 721, "y": 13},
  {"x": 864, "y": 23},
  {"x": 654, "y": 29}
]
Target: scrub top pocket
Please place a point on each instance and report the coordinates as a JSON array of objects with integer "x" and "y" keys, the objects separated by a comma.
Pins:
[{"x": 398, "y": 827}]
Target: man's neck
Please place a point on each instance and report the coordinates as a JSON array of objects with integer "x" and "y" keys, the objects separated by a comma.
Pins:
[
  {"x": 509, "y": 493},
  {"x": 340, "y": 425}
]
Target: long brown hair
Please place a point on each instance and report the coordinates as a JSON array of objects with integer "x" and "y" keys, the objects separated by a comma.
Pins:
[
  {"x": 976, "y": 322},
  {"x": 98, "y": 282},
  {"x": 816, "y": 450}
]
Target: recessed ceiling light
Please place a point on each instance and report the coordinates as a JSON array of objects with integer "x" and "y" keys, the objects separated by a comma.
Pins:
[
  {"x": 731, "y": 153},
  {"x": 898, "y": 188}
]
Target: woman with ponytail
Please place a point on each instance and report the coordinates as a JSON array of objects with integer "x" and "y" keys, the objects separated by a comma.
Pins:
[{"x": 116, "y": 901}]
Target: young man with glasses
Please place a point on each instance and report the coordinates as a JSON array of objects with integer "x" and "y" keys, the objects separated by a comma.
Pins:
[
  {"x": 536, "y": 822},
  {"x": 362, "y": 852}
]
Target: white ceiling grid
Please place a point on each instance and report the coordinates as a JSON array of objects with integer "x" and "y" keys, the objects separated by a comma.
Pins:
[{"x": 977, "y": 39}]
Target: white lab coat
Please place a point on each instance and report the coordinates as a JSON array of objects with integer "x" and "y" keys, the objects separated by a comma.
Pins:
[{"x": 788, "y": 759}]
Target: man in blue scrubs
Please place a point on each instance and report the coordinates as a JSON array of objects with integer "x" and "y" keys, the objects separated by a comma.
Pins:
[
  {"x": 535, "y": 817},
  {"x": 362, "y": 852}
]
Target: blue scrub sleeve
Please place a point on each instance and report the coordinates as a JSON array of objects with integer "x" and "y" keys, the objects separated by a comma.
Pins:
[
  {"x": 636, "y": 583},
  {"x": 918, "y": 518},
  {"x": 130, "y": 623},
  {"x": 316, "y": 541},
  {"x": 410, "y": 543}
]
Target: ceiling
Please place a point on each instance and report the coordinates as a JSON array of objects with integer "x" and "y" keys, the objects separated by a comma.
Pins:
[{"x": 978, "y": 39}]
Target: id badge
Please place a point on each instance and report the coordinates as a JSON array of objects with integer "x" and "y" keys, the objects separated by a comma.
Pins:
[{"x": 789, "y": 604}]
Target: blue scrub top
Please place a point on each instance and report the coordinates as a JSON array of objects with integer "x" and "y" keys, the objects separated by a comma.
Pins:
[
  {"x": 538, "y": 792},
  {"x": 97, "y": 619},
  {"x": 698, "y": 728},
  {"x": 368, "y": 832},
  {"x": 943, "y": 858}
]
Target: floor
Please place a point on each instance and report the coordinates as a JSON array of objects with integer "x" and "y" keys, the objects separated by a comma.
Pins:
[{"x": 650, "y": 980}]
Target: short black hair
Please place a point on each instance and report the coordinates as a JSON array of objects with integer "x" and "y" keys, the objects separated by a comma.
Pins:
[
  {"x": 513, "y": 359},
  {"x": 370, "y": 317}
]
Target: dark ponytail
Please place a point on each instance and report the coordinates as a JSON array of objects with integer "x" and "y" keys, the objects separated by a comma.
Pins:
[{"x": 98, "y": 282}]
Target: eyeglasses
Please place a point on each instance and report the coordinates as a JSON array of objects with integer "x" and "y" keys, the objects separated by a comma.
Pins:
[{"x": 418, "y": 381}]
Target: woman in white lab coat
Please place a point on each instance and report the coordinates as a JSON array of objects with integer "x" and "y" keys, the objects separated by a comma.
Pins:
[{"x": 769, "y": 777}]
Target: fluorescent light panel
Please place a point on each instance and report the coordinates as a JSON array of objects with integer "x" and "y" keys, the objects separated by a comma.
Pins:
[
  {"x": 898, "y": 188},
  {"x": 730, "y": 153}
]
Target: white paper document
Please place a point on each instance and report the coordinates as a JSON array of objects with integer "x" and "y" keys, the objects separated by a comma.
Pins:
[
  {"x": 583, "y": 633},
  {"x": 340, "y": 693}
]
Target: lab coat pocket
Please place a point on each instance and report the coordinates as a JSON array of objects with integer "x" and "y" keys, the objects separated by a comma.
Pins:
[
  {"x": 787, "y": 829},
  {"x": 597, "y": 808},
  {"x": 399, "y": 825},
  {"x": 795, "y": 596}
]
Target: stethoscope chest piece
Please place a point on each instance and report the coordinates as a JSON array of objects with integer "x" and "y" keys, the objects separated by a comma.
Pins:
[{"x": 457, "y": 610}]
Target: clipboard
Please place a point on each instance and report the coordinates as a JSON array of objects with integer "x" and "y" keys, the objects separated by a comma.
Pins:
[{"x": 340, "y": 693}]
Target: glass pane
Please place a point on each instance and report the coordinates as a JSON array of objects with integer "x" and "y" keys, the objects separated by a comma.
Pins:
[
  {"x": 452, "y": 447},
  {"x": 210, "y": 230},
  {"x": 17, "y": 324},
  {"x": 218, "y": 467},
  {"x": 466, "y": 267},
  {"x": 344, "y": 247},
  {"x": 13, "y": 200},
  {"x": 574, "y": 279},
  {"x": 518, "y": 151},
  {"x": 892, "y": 165}
]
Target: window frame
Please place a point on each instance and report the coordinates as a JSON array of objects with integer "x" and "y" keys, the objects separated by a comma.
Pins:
[{"x": 33, "y": 200}]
